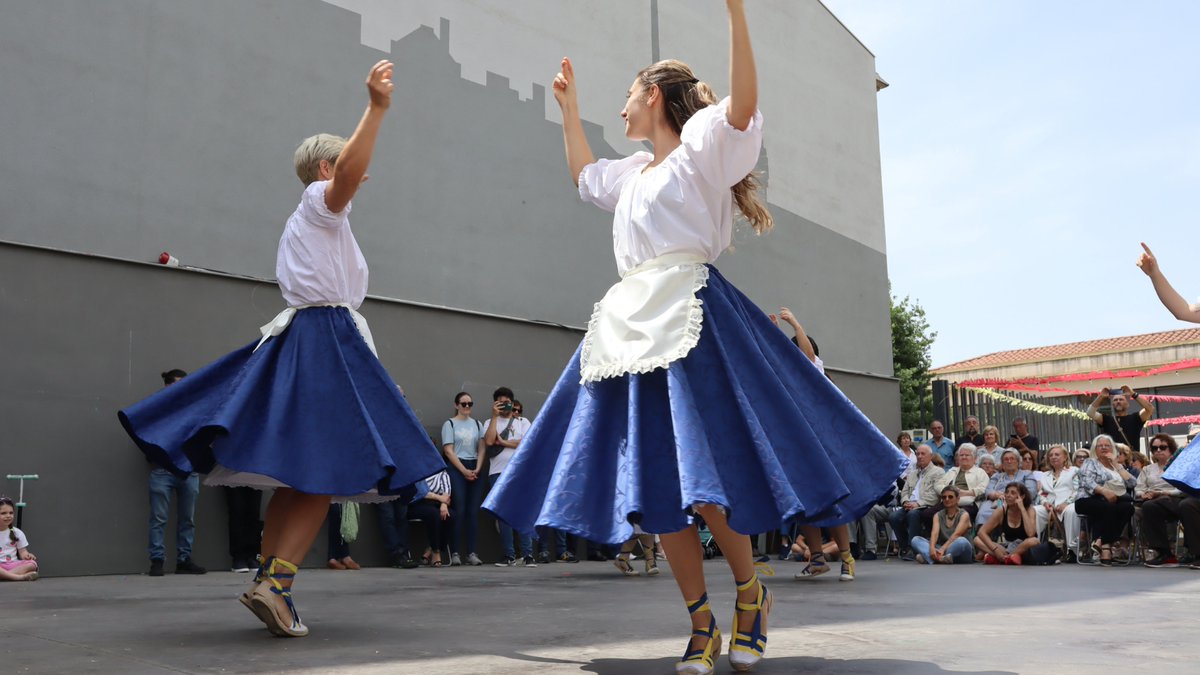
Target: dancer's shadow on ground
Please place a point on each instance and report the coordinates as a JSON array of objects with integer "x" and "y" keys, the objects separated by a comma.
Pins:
[{"x": 787, "y": 664}]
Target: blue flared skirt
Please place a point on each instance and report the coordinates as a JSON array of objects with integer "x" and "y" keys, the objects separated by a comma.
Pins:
[
  {"x": 744, "y": 421},
  {"x": 1184, "y": 470},
  {"x": 312, "y": 409}
]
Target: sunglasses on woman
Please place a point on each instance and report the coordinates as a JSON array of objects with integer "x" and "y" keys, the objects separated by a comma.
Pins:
[{"x": 466, "y": 404}]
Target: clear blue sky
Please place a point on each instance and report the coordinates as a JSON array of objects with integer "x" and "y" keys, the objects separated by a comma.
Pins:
[{"x": 1027, "y": 148}]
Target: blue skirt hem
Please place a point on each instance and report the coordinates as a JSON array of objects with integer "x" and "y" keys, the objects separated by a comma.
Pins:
[
  {"x": 744, "y": 421},
  {"x": 311, "y": 408}
]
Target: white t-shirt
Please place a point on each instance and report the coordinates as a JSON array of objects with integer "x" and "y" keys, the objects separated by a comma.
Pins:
[
  {"x": 8, "y": 550},
  {"x": 319, "y": 260},
  {"x": 683, "y": 205},
  {"x": 520, "y": 426}
]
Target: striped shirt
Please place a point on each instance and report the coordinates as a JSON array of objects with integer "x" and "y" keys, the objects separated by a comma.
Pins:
[{"x": 439, "y": 483}]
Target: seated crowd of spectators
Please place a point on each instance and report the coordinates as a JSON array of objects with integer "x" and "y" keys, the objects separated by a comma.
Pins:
[{"x": 976, "y": 500}]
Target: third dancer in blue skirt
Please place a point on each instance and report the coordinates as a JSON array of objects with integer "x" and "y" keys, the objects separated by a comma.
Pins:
[{"x": 684, "y": 399}]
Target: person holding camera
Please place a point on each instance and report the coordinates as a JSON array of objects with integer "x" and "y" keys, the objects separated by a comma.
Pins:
[
  {"x": 1021, "y": 433},
  {"x": 503, "y": 435},
  {"x": 1123, "y": 426}
]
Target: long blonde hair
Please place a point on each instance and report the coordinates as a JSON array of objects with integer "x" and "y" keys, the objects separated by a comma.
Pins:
[{"x": 684, "y": 95}]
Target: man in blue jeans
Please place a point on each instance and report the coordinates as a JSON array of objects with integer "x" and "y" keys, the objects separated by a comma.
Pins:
[
  {"x": 506, "y": 430},
  {"x": 919, "y": 494},
  {"x": 162, "y": 483}
]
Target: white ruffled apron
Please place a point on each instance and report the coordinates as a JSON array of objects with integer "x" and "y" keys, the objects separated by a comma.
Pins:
[
  {"x": 284, "y": 319},
  {"x": 647, "y": 320}
]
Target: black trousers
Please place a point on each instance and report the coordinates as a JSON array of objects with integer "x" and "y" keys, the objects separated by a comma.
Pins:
[
  {"x": 337, "y": 547},
  {"x": 436, "y": 529},
  {"x": 1156, "y": 513},
  {"x": 245, "y": 525},
  {"x": 1106, "y": 519}
]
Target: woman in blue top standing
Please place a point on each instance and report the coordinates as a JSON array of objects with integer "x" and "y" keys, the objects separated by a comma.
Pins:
[
  {"x": 462, "y": 444},
  {"x": 684, "y": 398},
  {"x": 307, "y": 410}
]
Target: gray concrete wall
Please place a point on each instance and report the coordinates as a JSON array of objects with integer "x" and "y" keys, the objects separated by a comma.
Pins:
[
  {"x": 84, "y": 336},
  {"x": 137, "y": 126},
  {"x": 157, "y": 124},
  {"x": 878, "y": 397}
]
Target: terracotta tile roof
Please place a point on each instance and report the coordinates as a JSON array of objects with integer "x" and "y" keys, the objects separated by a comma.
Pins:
[{"x": 1074, "y": 349}]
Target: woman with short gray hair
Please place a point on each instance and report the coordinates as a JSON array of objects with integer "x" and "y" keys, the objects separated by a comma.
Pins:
[
  {"x": 308, "y": 410},
  {"x": 1105, "y": 495},
  {"x": 988, "y": 464}
]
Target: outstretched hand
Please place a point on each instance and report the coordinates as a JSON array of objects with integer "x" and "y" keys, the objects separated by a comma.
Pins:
[
  {"x": 1147, "y": 261},
  {"x": 564, "y": 84},
  {"x": 380, "y": 85}
]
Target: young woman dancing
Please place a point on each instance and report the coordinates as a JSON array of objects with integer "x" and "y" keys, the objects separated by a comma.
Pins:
[
  {"x": 308, "y": 409},
  {"x": 683, "y": 396}
]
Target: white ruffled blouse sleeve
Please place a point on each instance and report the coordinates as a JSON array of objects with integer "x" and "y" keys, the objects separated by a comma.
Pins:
[
  {"x": 720, "y": 152},
  {"x": 313, "y": 211},
  {"x": 600, "y": 182}
]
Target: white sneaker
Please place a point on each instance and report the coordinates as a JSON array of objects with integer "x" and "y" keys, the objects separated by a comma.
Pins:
[
  {"x": 473, "y": 559},
  {"x": 455, "y": 561}
]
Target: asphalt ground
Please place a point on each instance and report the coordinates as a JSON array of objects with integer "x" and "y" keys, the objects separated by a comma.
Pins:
[{"x": 585, "y": 618}]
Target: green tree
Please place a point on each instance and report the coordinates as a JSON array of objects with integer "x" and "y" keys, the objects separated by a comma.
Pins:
[{"x": 911, "y": 340}]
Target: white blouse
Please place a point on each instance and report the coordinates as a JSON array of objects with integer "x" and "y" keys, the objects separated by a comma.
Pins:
[
  {"x": 319, "y": 261},
  {"x": 684, "y": 205},
  {"x": 1061, "y": 490}
]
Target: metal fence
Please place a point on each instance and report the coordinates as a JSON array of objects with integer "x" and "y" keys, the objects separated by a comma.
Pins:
[{"x": 953, "y": 405}]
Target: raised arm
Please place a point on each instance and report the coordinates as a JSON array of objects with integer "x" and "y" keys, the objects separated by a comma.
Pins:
[
  {"x": 1029, "y": 518},
  {"x": 1147, "y": 410},
  {"x": 743, "y": 78},
  {"x": 1170, "y": 298},
  {"x": 802, "y": 340},
  {"x": 351, "y": 168},
  {"x": 579, "y": 153},
  {"x": 1092, "y": 411}
]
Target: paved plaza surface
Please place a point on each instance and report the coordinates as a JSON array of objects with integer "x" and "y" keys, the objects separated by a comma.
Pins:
[{"x": 585, "y": 618}]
